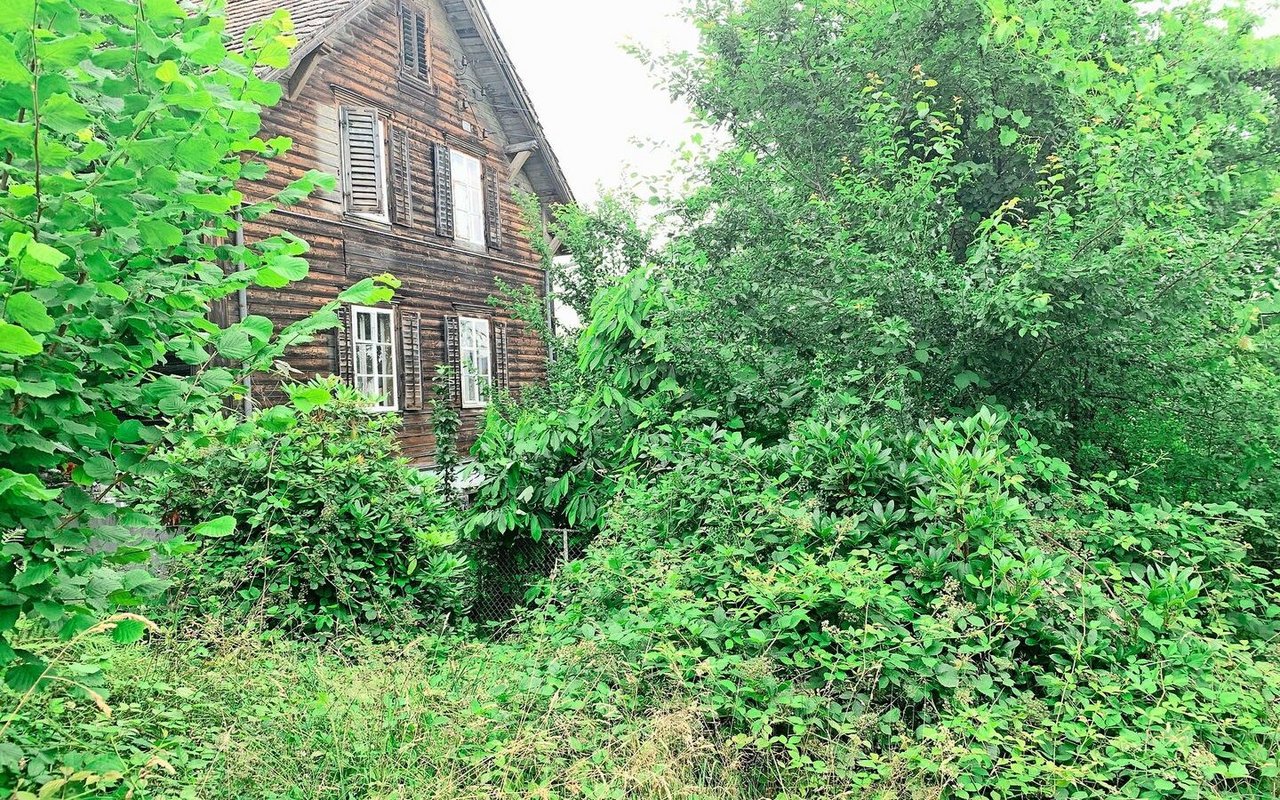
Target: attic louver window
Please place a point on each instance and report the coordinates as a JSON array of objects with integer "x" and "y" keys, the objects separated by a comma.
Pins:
[
  {"x": 364, "y": 188},
  {"x": 414, "y": 52}
]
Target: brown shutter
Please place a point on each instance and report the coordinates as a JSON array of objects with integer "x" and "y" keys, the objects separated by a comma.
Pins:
[
  {"x": 408, "y": 47},
  {"x": 401, "y": 178},
  {"x": 420, "y": 48},
  {"x": 501, "y": 373},
  {"x": 343, "y": 345},
  {"x": 362, "y": 165},
  {"x": 453, "y": 358},
  {"x": 411, "y": 359},
  {"x": 444, "y": 191},
  {"x": 492, "y": 211}
]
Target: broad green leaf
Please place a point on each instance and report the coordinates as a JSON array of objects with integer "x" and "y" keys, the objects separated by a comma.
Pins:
[
  {"x": 63, "y": 114},
  {"x": 159, "y": 234},
  {"x": 33, "y": 574},
  {"x": 1008, "y": 136},
  {"x": 16, "y": 15},
  {"x": 12, "y": 69},
  {"x": 308, "y": 398},
  {"x": 24, "y": 309},
  {"x": 128, "y": 631},
  {"x": 277, "y": 419},
  {"x": 168, "y": 72},
  {"x": 24, "y": 677},
  {"x": 215, "y": 528},
  {"x": 966, "y": 379},
  {"x": 234, "y": 344},
  {"x": 16, "y": 341}
]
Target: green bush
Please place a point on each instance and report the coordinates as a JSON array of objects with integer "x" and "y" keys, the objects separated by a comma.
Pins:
[
  {"x": 334, "y": 531},
  {"x": 938, "y": 615}
]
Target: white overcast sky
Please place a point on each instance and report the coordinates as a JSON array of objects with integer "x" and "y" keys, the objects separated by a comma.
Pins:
[{"x": 596, "y": 100}]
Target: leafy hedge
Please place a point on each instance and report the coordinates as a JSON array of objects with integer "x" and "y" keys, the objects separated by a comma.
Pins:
[
  {"x": 333, "y": 530},
  {"x": 877, "y": 614}
]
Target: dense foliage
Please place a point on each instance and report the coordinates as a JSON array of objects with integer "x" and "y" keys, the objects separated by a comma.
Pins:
[
  {"x": 327, "y": 529},
  {"x": 928, "y": 452},
  {"x": 126, "y": 130},
  {"x": 1068, "y": 210},
  {"x": 868, "y": 614}
]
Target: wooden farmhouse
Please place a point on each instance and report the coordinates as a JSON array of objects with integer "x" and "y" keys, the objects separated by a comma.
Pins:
[{"x": 415, "y": 106}]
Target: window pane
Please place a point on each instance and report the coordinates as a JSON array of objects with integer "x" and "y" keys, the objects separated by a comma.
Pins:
[{"x": 384, "y": 328}]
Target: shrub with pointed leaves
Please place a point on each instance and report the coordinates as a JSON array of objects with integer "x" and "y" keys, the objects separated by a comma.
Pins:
[{"x": 125, "y": 129}]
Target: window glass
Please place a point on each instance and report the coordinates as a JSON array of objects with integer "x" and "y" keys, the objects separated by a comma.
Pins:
[
  {"x": 468, "y": 198},
  {"x": 477, "y": 361},
  {"x": 375, "y": 357}
]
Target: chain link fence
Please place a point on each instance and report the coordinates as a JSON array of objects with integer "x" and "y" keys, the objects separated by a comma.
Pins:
[{"x": 510, "y": 572}]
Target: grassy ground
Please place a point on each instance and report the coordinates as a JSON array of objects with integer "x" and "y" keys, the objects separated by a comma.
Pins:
[{"x": 212, "y": 715}]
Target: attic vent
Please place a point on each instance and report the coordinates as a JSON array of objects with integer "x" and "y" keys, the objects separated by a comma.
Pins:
[{"x": 415, "y": 48}]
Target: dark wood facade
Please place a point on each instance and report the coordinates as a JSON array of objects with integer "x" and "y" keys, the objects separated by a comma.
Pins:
[{"x": 435, "y": 78}]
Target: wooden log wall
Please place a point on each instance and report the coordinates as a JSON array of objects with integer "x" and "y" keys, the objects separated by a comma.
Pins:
[{"x": 440, "y": 277}]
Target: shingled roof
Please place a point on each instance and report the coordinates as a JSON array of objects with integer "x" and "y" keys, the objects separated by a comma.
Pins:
[{"x": 316, "y": 20}]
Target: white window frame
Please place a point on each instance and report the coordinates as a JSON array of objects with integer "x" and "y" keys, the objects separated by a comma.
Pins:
[
  {"x": 475, "y": 387},
  {"x": 468, "y": 199},
  {"x": 391, "y": 377}
]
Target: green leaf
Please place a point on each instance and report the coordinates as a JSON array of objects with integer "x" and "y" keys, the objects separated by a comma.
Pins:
[
  {"x": 1020, "y": 119},
  {"x": 234, "y": 344},
  {"x": 33, "y": 574},
  {"x": 63, "y": 114},
  {"x": 259, "y": 328},
  {"x": 16, "y": 341},
  {"x": 291, "y": 268},
  {"x": 40, "y": 263},
  {"x": 100, "y": 468},
  {"x": 215, "y": 528},
  {"x": 128, "y": 631},
  {"x": 24, "y": 309},
  {"x": 24, "y": 677},
  {"x": 308, "y": 398},
  {"x": 12, "y": 70},
  {"x": 948, "y": 676},
  {"x": 168, "y": 72},
  {"x": 277, "y": 419},
  {"x": 157, "y": 233},
  {"x": 922, "y": 109},
  {"x": 966, "y": 379},
  {"x": 1008, "y": 136},
  {"x": 985, "y": 122},
  {"x": 16, "y": 15}
]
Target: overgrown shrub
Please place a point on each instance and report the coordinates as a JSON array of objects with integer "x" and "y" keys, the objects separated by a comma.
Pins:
[
  {"x": 334, "y": 531},
  {"x": 867, "y": 614}
]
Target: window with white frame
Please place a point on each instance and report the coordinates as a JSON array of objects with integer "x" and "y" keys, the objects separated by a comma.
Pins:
[
  {"x": 477, "y": 361},
  {"x": 468, "y": 198},
  {"x": 374, "y": 356}
]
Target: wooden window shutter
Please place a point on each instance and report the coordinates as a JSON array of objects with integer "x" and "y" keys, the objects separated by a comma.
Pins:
[
  {"x": 346, "y": 370},
  {"x": 501, "y": 372},
  {"x": 408, "y": 44},
  {"x": 411, "y": 359},
  {"x": 420, "y": 47},
  {"x": 401, "y": 178},
  {"x": 492, "y": 211},
  {"x": 362, "y": 184},
  {"x": 444, "y": 191},
  {"x": 453, "y": 358}
]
